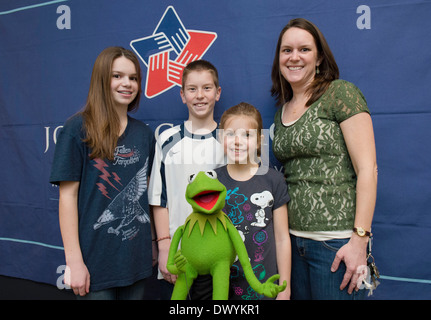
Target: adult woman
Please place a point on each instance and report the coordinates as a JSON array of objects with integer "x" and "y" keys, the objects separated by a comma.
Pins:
[{"x": 325, "y": 140}]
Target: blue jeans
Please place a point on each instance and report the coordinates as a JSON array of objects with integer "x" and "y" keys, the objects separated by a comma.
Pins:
[
  {"x": 312, "y": 278},
  {"x": 133, "y": 292}
]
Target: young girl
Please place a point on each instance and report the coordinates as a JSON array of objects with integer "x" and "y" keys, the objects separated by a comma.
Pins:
[
  {"x": 256, "y": 202},
  {"x": 101, "y": 163}
]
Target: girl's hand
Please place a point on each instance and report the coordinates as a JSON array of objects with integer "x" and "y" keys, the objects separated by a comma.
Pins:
[
  {"x": 284, "y": 295},
  {"x": 78, "y": 278}
]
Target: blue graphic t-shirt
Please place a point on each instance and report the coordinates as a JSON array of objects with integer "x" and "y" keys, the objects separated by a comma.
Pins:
[
  {"x": 250, "y": 205},
  {"x": 113, "y": 210}
]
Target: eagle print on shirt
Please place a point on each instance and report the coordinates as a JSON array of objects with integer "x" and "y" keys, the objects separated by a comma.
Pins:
[{"x": 126, "y": 208}]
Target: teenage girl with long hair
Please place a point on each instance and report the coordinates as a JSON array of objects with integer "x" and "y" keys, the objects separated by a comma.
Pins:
[{"x": 102, "y": 162}]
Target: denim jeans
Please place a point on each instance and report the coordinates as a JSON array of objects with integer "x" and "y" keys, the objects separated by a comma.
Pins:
[
  {"x": 133, "y": 292},
  {"x": 312, "y": 278}
]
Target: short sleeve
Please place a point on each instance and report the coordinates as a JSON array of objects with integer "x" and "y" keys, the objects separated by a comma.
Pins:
[
  {"x": 69, "y": 154},
  {"x": 349, "y": 100},
  {"x": 157, "y": 187},
  {"x": 281, "y": 196}
]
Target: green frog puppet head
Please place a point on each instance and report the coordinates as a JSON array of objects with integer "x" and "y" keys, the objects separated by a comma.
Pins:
[{"x": 205, "y": 195}]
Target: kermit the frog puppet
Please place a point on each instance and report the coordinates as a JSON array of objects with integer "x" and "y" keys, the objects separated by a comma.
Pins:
[{"x": 210, "y": 243}]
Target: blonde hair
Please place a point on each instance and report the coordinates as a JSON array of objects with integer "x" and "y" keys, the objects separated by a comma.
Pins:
[
  {"x": 101, "y": 122},
  {"x": 245, "y": 109}
]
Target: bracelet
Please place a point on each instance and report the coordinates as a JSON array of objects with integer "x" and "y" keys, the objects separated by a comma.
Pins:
[{"x": 162, "y": 238}]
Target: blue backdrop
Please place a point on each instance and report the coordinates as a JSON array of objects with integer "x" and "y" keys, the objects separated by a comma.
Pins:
[{"x": 47, "y": 50}]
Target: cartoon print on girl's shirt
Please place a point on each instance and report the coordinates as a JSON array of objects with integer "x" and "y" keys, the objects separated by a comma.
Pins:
[
  {"x": 263, "y": 200},
  {"x": 250, "y": 294},
  {"x": 234, "y": 200},
  {"x": 237, "y": 205}
]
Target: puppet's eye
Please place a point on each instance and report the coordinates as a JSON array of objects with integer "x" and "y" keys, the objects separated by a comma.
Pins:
[
  {"x": 192, "y": 177},
  {"x": 212, "y": 174}
]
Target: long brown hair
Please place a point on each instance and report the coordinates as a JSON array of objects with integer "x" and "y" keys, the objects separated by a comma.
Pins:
[
  {"x": 328, "y": 68},
  {"x": 101, "y": 122}
]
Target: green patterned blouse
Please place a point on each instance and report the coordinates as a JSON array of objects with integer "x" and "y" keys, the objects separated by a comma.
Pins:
[{"x": 317, "y": 165}]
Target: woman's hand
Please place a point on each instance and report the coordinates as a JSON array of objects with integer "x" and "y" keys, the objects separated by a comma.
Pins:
[{"x": 354, "y": 255}]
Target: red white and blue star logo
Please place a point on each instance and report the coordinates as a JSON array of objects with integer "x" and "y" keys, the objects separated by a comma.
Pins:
[{"x": 168, "y": 50}]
